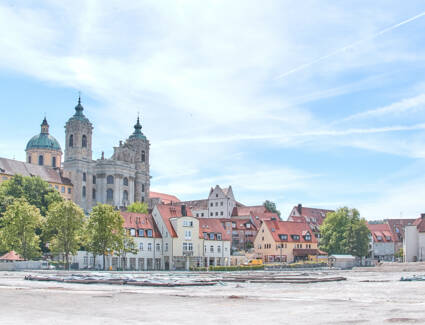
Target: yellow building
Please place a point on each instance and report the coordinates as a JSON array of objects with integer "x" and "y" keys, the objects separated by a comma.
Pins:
[
  {"x": 285, "y": 241},
  {"x": 53, "y": 176}
]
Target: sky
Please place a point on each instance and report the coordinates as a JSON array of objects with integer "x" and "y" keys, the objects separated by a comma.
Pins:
[{"x": 313, "y": 102}]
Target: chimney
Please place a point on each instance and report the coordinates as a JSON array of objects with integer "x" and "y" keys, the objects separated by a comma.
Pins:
[
  {"x": 300, "y": 208},
  {"x": 184, "y": 213},
  {"x": 422, "y": 215}
]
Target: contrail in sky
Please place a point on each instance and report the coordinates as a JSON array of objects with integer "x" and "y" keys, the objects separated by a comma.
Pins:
[{"x": 386, "y": 30}]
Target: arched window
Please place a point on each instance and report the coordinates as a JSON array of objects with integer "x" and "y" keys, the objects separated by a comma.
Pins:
[
  {"x": 29, "y": 159},
  {"x": 143, "y": 199},
  {"x": 109, "y": 194},
  {"x": 84, "y": 191},
  {"x": 41, "y": 160},
  {"x": 143, "y": 187},
  {"x": 71, "y": 140},
  {"x": 94, "y": 179},
  {"x": 110, "y": 179},
  {"x": 94, "y": 194},
  {"x": 84, "y": 141},
  {"x": 125, "y": 181},
  {"x": 143, "y": 155},
  {"x": 125, "y": 195},
  {"x": 53, "y": 161}
]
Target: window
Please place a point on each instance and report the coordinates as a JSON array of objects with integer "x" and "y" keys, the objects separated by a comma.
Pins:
[
  {"x": 132, "y": 232},
  {"x": 143, "y": 199},
  {"x": 109, "y": 194},
  {"x": 149, "y": 232},
  {"x": 140, "y": 245},
  {"x": 216, "y": 195},
  {"x": 216, "y": 204},
  {"x": 221, "y": 213},
  {"x": 84, "y": 177},
  {"x": 187, "y": 223},
  {"x": 233, "y": 225},
  {"x": 212, "y": 236},
  {"x": 283, "y": 237},
  {"x": 221, "y": 203},
  {"x": 125, "y": 181},
  {"x": 218, "y": 249},
  {"x": 84, "y": 141},
  {"x": 94, "y": 179},
  {"x": 166, "y": 247},
  {"x": 212, "y": 204},
  {"x": 93, "y": 194},
  {"x": 212, "y": 249},
  {"x": 187, "y": 234},
  {"x": 248, "y": 225},
  {"x": 158, "y": 247},
  {"x": 53, "y": 161},
  {"x": 218, "y": 236},
  {"x": 202, "y": 214},
  {"x": 141, "y": 233},
  {"x": 125, "y": 195},
  {"x": 211, "y": 214},
  {"x": 71, "y": 140},
  {"x": 69, "y": 190},
  {"x": 205, "y": 235},
  {"x": 149, "y": 247},
  {"x": 29, "y": 159},
  {"x": 84, "y": 191},
  {"x": 41, "y": 160},
  {"x": 143, "y": 187},
  {"x": 63, "y": 189},
  {"x": 110, "y": 179},
  {"x": 187, "y": 247},
  {"x": 143, "y": 156},
  {"x": 197, "y": 215},
  {"x": 379, "y": 238},
  {"x": 216, "y": 213},
  {"x": 308, "y": 237},
  {"x": 295, "y": 237}
]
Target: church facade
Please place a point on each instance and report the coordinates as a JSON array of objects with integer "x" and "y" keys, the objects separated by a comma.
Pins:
[{"x": 119, "y": 180}]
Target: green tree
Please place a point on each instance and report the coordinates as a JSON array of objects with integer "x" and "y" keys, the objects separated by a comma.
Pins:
[
  {"x": 344, "y": 232},
  {"x": 18, "y": 232},
  {"x": 139, "y": 207},
  {"x": 64, "y": 227},
  {"x": 33, "y": 189},
  {"x": 105, "y": 231},
  {"x": 271, "y": 207}
]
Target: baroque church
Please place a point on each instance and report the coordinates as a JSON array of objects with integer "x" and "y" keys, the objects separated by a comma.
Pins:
[{"x": 119, "y": 181}]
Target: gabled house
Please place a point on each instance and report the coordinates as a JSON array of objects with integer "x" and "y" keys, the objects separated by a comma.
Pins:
[
  {"x": 285, "y": 241},
  {"x": 414, "y": 240},
  {"x": 397, "y": 228},
  {"x": 381, "y": 246},
  {"x": 312, "y": 216},
  {"x": 216, "y": 236}
]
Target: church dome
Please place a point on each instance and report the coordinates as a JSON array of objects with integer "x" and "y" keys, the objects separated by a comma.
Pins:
[
  {"x": 137, "y": 134},
  {"x": 43, "y": 140}
]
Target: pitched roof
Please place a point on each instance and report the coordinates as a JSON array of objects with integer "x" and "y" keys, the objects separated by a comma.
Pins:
[
  {"x": 197, "y": 204},
  {"x": 382, "y": 230},
  {"x": 420, "y": 224},
  {"x": 11, "y": 256},
  {"x": 48, "y": 174},
  {"x": 257, "y": 214},
  {"x": 140, "y": 221},
  {"x": 240, "y": 223},
  {"x": 277, "y": 227},
  {"x": 168, "y": 212},
  {"x": 215, "y": 225},
  {"x": 164, "y": 198},
  {"x": 397, "y": 227}
]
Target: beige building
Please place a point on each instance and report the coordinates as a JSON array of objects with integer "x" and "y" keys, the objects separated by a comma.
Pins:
[
  {"x": 285, "y": 241},
  {"x": 414, "y": 240}
]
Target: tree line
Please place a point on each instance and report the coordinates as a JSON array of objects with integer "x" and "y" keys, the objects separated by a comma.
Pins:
[{"x": 36, "y": 220}]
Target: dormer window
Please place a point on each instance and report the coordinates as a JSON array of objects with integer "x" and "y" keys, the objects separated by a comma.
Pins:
[
  {"x": 273, "y": 229},
  {"x": 307, "y": 237},
  {"x": 283, "y": 237},
  {"x": 248, "y": 225},
  {"x": 211, "y": 236},
  {"x": 379, "y": 238},
  {"x": 295, "y": 237},
  {"x": 388, "y": 238}
]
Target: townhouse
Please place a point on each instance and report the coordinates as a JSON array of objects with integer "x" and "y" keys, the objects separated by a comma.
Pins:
[
  {"x": 382, "y": 243},
  {"x": 414, "y": 240},
  {"x": 285, "y": 241}
]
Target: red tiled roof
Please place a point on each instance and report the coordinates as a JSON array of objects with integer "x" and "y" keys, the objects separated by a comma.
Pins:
[
  {"x": 380, "y": 229},
  {"x": 257, "y": 214},
  {"x": 214, "y": 225},
  {"x": 11, "y": 256},
  {"x": 168, "y": 212},
  {"x": 140, "y": 221},
  {"x": 397, "y": 227},
  {"x": 164, "y": 198},
  {"x": 420, "y": 224},
  {"x": 240, "y": 224},
  {"x": 289, "y": 228}
]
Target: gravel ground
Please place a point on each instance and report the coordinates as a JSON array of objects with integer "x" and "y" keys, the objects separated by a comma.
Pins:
[{"x": 382, "y": 300}]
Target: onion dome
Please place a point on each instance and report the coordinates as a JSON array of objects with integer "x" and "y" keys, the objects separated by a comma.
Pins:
[
  {"x": 79, "y": 112},
  {"x": 137, "y": 134},
  {"x": 44, "y": 140}
]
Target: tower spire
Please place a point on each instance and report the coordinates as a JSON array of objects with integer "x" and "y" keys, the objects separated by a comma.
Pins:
[{"x": 79, "y": 108}]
